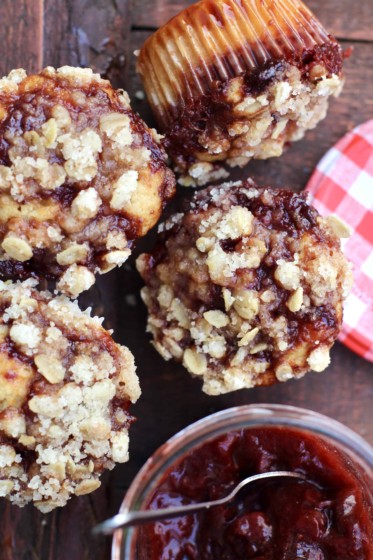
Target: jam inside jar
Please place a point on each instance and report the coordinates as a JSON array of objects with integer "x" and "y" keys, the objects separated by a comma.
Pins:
[{"x": 327, "y": 516}]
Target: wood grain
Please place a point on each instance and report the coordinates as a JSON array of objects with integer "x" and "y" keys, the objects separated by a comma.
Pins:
[
  {"x": 344, "y": 19},
  {"x": 80, "y": 33},
  {"x": 85, "y": 33},
  {"x": 21, "y": 35}
]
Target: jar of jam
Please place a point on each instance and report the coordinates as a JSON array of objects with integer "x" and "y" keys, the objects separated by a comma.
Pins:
[{"x": 327, "y": 516}]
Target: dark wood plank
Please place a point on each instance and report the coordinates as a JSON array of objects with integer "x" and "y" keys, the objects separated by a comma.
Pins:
[
  {"x": 21, "y": 35},
  {"x": 92, "y": 34},
  {"x": 79, "y": 33},
  {"x": 86, "y": 33},
  {"x": 344, "y": 19}
]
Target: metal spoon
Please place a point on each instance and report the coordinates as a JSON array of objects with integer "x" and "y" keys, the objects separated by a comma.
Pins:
[{"x": 129, "y": 518}]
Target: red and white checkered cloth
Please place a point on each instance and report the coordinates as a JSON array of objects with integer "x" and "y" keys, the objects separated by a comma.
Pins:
[{"x": 342, "y": 184}]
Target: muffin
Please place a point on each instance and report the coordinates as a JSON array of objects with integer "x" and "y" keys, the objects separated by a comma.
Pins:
[
  {"x": 232, "y": 80},
  {"x": 246, "y": 287},
  {"x": 81, "y": 177},
  {"x": 65, "y": 391}
]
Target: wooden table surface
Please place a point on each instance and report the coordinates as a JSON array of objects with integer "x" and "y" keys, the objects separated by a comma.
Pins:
[{"x": 103, "y": 34}]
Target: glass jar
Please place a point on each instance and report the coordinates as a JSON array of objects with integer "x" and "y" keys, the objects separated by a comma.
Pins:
[{"x": 238, "y": 418}]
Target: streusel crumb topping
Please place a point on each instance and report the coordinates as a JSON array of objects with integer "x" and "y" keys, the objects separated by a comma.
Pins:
[
  {"x": 246, "y": 287},
  {"x": 238, "y": 122},
  {"x": 81, "y": 177},
  {"x": 65, "y": 390}
]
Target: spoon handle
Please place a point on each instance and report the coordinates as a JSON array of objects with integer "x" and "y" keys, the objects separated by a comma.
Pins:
[{"x": 129, "y": 518}]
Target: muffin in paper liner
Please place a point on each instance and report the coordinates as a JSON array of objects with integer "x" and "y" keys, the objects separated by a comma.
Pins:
[{"x": 231, "y": 80}]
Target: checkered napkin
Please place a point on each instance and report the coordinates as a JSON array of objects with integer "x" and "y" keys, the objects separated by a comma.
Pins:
[{"x": 342, "y": 184}]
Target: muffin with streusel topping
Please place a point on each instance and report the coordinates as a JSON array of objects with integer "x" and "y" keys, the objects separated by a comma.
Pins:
[
  {"x": 81, "y": 177},
  {"x": 246, "y": 287},
  {"x": 65, "y": 392},
  {"x": 235, "y": 80}
]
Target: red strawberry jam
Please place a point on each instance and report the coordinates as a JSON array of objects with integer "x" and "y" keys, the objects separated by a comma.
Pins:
[{"x": 326, "y": 517}]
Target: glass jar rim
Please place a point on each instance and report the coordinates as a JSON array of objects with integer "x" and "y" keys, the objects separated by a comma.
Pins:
[{"x": 231, "y": 419}]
